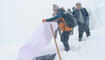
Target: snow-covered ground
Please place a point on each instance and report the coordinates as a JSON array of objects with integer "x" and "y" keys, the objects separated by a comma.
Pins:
[
  {"x": 90, "y": 49},
  {"x": 19, "y": 18}
]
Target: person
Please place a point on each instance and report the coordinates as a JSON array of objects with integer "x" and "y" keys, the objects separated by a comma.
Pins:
[
  {"x": 66, "y": 30},
  {"x": 81, "y": 16}
]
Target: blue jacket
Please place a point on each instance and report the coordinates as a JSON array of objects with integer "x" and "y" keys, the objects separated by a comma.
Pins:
[
  {"x": 60, "y": 14},
  {"x": 84, "y": 13}
]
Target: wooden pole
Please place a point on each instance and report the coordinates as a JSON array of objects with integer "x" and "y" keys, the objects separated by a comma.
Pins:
[{"x": 55, "y": 42}]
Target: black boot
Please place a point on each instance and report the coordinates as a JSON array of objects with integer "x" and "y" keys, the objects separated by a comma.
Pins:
[
  {"x": 88, "y": 35},
  {"x": 66, "y": 45},
  {"x": 67, "y": 49},
  {"x": 80, "y": 39}
]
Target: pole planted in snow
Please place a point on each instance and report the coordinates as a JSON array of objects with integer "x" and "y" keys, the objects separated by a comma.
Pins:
[{"x": 55, "y": 42}]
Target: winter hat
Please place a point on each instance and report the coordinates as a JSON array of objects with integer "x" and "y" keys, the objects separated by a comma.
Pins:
[
  {"x": 63, "y": 9},
  {"x": 78, "y": 3},
  {"x": 55, "y": 7}
]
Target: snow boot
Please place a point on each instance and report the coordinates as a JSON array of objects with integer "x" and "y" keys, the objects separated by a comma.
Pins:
[{"x": 80, "y": 39}]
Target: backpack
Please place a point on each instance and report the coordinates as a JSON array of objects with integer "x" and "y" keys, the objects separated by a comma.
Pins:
[
  {"x": 70, "y": 20},
  {"x": 67, "y": 23}
]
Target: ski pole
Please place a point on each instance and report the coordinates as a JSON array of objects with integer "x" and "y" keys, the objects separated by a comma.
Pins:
[{"x": 55, "y": 42}]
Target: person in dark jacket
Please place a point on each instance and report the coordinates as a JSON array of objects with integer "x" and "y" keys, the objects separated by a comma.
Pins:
[
  {"x": 65, "y": 34},
  {"x": 81, "y": 16}
]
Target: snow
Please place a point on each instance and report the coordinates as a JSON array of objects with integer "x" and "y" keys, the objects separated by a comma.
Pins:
[
  {"x": 40, "y": 39},
  {"x": 19, "y": 18},
  {"x": 92, "y": 49}
]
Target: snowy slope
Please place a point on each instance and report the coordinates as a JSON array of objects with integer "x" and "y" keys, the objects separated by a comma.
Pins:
[
  {"x": 91, "y": 49},
  {"x": 19, "y": 19}
]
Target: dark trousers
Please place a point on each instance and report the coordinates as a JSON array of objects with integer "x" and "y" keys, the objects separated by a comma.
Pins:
[
  {"x": 65, "y": 38},
  {"x": 83, "y": 28}
]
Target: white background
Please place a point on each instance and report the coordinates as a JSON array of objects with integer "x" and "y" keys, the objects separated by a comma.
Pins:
[{"x": 19, "y": 18}]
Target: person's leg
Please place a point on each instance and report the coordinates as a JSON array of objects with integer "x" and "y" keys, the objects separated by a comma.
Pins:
[
  {"x": 81, "y": 31},
  {"x": 66, "y": 45},
  {"x": 56, "y": 33},
  {"x": 87, "y": 30},
  {"x": 64, "y": 39},
  {"x": 59, "y": 32}
]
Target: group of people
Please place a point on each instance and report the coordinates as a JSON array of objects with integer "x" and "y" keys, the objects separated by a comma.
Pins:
[{"x": 78, "y": 16}]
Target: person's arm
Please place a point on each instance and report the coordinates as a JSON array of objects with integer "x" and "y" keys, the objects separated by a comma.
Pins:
[
  {"x": 74, "y": 13},
  {"x": 59, "y": 15},
  {"x": 55, "y": 20},
  {"x": 86, "y": 12},
  {"x": 52, "y": 19},
  {"x": 87, "y": 16}
]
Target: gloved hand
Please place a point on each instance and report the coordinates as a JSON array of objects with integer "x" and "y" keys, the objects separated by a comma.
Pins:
[{"x": 44, "y": 20}]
